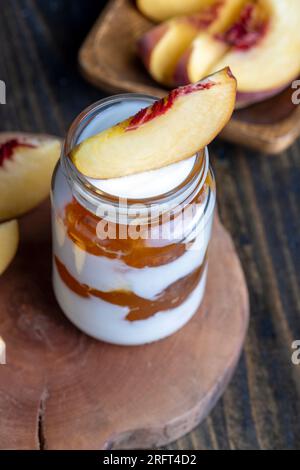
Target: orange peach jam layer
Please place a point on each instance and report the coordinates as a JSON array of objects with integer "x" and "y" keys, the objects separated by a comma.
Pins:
[
  {"x": 139, "y": 308},
  {"x": 81, "y": 227}
]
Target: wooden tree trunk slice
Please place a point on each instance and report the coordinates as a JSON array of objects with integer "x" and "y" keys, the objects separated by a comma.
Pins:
[{"x": 61, "y": 389}]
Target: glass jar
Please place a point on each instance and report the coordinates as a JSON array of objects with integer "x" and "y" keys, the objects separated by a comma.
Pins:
[{"x": 128, "y": 271}]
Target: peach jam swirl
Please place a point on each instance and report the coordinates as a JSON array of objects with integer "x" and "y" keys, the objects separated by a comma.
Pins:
[{"x": 123, "y": 288}]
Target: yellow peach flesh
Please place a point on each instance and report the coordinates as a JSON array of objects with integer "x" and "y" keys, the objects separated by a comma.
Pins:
[
  {"x": 171, "y": 130},
  {"x": 9, "y": 240}
]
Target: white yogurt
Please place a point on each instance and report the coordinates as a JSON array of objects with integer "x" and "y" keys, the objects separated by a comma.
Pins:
[
  {"x": 147, "y": 184},
  {"x": 107, "y": 322}
]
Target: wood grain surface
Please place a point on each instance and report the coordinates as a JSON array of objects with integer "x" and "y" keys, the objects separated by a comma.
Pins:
[
  {"x": 108, "y": 59},
  {"x": 258, "y": 201}
]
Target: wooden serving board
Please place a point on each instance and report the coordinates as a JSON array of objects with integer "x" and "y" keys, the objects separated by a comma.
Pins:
[
  {"x": 108, "y": 59},
  {"x": 61, "y": 389}
]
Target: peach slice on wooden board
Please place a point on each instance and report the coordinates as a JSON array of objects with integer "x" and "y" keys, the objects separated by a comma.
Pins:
[
  {"x": 247, "y": 99},
  {"x": 265, "y": 58},
  {"x": 170, "y": 130},
  {"x": 208, "y": 48},
  {"x": 224, "y": 13},
  {"x": 198, "y": 59},
  {"x": 162, "y": 46},
  {"x": 161, "y": 10},
  {"x": 9, "y": 240},
  {"x": 27, "y": 162}
]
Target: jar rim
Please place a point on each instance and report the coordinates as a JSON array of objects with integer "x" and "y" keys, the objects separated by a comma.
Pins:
[{"x": 95, "y": 196}]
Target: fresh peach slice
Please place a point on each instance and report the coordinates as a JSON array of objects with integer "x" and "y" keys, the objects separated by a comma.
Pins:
[
  {"x": 198, "y": 59},
  {"x": 247, "y": 99},
  {"x": 264, "y": 53},
  {"x": 161, "y": 47},
  {"x": 9, "y": 240},
  {"x": 207, "y": 49},
  {"x": 161, "y": 10},
  {"x": 170, "y": 130},
  {"x": 226, "y": 13},
  {"x": 26, "y": 166}
]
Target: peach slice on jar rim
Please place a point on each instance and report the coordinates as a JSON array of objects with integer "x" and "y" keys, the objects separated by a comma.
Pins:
[
  {"x": 170, "y": 130},
  {"x": 27, "y": 162},
  {"x": 9, "y": 240}
]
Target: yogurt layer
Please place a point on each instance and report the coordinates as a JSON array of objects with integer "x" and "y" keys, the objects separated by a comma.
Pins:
[{"x": 106, "y": 321}]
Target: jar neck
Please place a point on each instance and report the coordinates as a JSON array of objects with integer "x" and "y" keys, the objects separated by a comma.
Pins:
[{"x": 99, "y": 203}]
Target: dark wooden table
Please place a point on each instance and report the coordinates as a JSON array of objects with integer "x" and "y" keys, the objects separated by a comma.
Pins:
[{"x": 259, "y": 202}]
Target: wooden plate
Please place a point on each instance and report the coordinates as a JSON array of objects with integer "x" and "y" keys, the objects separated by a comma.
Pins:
[
  {"x": 61, "y": 389},
  {"x": 108, "y": 59}
]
